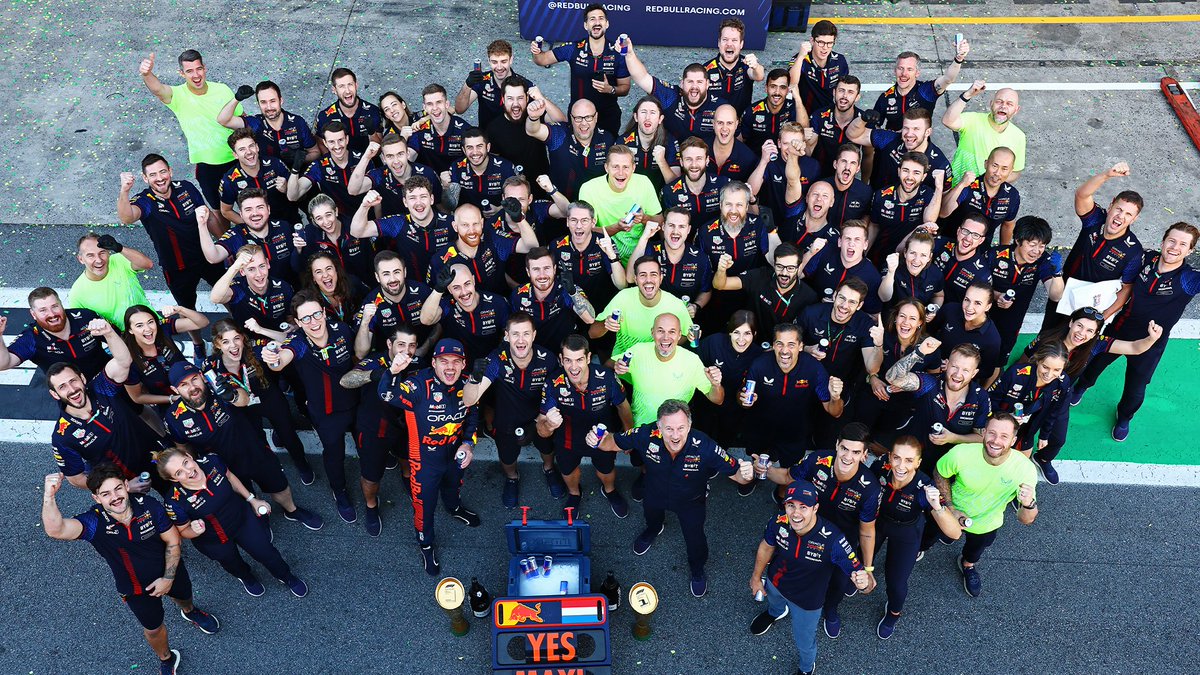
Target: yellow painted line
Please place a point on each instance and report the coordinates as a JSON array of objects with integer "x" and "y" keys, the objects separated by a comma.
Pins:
[{"x": 960, "y": 20}]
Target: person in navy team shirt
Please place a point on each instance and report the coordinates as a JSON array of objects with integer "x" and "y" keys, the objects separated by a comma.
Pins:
[
  {"x": 280, "y": 133},
  {"x": 898, "y": 210},
  {"x": 416, "y": 235},
  {"x": 487, "y": 86},
  {"x": 1017, "y": 270},
  {"x": 991, "y": 194},
  {"x": 437, "y": 137},
  {"x": 679, "y": 460},
  {"x": 598, "y": 71},
  {"x": 698, "y": 188},
  {"x": 733, "y": 73},
  {"x": 56, "y": 336},
  {"x": 829, "y": 124},
  {"x": 362, "y": 120},
  {"x": 258, "y": 227},
  {"x": 211, "y": 507},
  {"x": 851, "y": 196},
  {"x": 479, "y": 176},
  {"x": 390, "y": 179},
  {"x": 145, "y": 565},
  {"x": 254, "y": 171},
  {"x": 577, "y": 150},
  {"x": 167, "y": 209},
  {"x": 892, "y": 146},
  {"x": 963, "y": 259},
  {"x": 1157, "y": 290},
  {"x": 330, "y": 173},
  {"x": 484, "y": 254},
  {"x": 255, "y": 301},
  {"x": 762, "y": 120},
  {"x": 817, "y": 68},
  {"x": 690, "y": 106},
  {"x": 798, "y": 556},
  {"x": 913, "y": 277},
  {"x": 910, "y": 92},
  {"x": 825, "y": 268},
  {"x": 465, "y": 312},
  {"x": 969, "y": 322}
]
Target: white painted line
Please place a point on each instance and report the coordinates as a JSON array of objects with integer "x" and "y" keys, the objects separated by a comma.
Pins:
[
  {"x": 20, "y": 377},
  {"x": 19, "y": 298},
  {"x": 1127, "y": 473},
  {"x": 1048, "y": 86}
]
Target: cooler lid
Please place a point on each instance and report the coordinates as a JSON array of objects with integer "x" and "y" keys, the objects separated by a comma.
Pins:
[{"x": 548, "y": 536}]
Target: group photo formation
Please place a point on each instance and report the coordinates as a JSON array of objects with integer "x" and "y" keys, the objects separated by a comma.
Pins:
[{"x": 432, "y": 302}]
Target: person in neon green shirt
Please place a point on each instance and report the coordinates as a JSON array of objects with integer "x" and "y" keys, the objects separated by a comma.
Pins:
[
  {"x": 109, "y": 283},
  {"x": 979, "y": 481},
  {"x": 639, "y": 306},
  {"x": 196, "y": 104},
  {"x": 980, "y": 133},
  {"x": 613, "y": 194},
  {"x": 660, "y": 370}
]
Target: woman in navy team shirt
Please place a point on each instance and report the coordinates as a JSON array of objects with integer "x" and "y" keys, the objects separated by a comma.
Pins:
[{"x": 154, "y": 351}]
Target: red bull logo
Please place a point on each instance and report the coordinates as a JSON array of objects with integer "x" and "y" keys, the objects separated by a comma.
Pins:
[
  {"x": 447, "y": 429},
  {"x": 518, "y": 613}
]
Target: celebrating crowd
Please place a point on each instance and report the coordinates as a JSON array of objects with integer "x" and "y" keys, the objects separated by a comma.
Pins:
[{"x": 702, "y": 267}]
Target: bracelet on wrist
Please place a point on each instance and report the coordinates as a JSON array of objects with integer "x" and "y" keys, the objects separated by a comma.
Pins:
[
  {"x": 958, "y": 60},
  {"x": 963, "y": 98},
  {"x": 250, "y": 497}
]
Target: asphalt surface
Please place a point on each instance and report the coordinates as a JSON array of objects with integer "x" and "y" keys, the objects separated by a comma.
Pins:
[{"x": 1103, "y": 581}]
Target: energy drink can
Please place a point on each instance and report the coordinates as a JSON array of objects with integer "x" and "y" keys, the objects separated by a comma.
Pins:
[
  {"x": 533, "y": 566},
  {"x": 547, "y": 563},
  {"x": 749, "y": 388},
  {"x": 761, "y": 466},
  {"x": 478, "y": 66},
  {"x": 601, "y": 430},
  {"x": 623, "y": 43},
  {"x": 932, "y": 308},
  {"x": 1018, "y": 410},
  {"x": 525, "y": 567},
  {"x": 626, "y": 358},
  {"x": 616, "y": 315}
]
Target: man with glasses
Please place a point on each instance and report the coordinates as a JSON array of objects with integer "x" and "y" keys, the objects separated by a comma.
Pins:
[
  {"x": 965, "y": 260},
  {"x": 817, "y": 69},
  {"x": 598, "y": 71},
  {"x": 777, "y": 293},
  {"x": 578, "y": 152}
]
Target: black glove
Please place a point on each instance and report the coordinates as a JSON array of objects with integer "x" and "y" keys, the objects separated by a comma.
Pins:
[
  {"x": 767, "y": 217},
  {"x": 479, "y": 369},
  {"x": 106, "y": 241},
  {"x": 445, "y": 277},
  {"x": 298, "y": 162},
  {"x": 243, "y": 92},
  {"x": 474, "y": 78},
  {"x": 512, "y": 207},
  {"x": 871, "y": 117},
  {"x": 567, "y": 278},
  {"x": 287, "y": 155}
]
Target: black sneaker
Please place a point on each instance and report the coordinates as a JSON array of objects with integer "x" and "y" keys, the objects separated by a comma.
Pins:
[
  {"x": 295, "y": 585},
  {"x": 253, "y": 586},
  {"x": 833, "y": 625},
  {"x": 345, "y": 507},
  {"x": 169, "y": 666},
  {"x": 371, "y": 520},
  {"x": 429, "y": 559},
  {"x": 638, "y": 489},
  {"x": 887, "y": 625},
  {"x": 972, "y": 584},
  {"x": 391, "y": 462},
  {"x": 511, "y": 493},
  {"x": 763, "y": 622},
  {"x": 699, "y": 585},
  {"x": 620, "y": 507},
  {"x": 207, "y": 623},
  {"x": 554, "y": 483},
  {"x": 1047, "y": 469},
  {"x": 469, "y": 517},
  {"x": 646, "y": 539},
  {"x": 747, "y": 489},
  {"x": 305, "y": 517},
  {"x": 307, "y": 475}
]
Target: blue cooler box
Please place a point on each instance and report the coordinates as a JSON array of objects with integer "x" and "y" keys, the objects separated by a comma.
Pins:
[{"x": 568, "y": 546}]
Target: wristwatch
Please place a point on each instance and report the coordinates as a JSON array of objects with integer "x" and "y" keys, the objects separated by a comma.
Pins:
[{"x": 1032, "y": 505}]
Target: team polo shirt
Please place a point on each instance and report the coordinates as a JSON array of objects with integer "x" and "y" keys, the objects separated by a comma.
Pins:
[
  {"x": 1045, "y": 404},
  {"x": 152, "y": 371},
  {"x": 958, "y": 274},
  {"x": 732, "y": 84},
  {"x": 406, "y": 312},
  {"x": 817, "y": 83},
  {"x": 637, "y": 320},
  {"x": 581, "y": 410},
  {"x": 905, "y": 506},
  {"x": 436, "y": 150},
  {"x": 480, "y": 330},
  {"x": 1158, "y": 297},
  {"x": 171, "y": 224},
  {"x": 219, "y": 427},
  {"x": 486, "y": 189},
  {"x": 655, "y": 381},
  {"x": 222, "y": 510},
  {"x": 333, "y": 180},
  {"x": 356, "y": 255},
  {"x": 586, "y": 66},
  {"x": 830, "y": 135},
  {"x": 489, "y": 93},
  {"x": 803, "y": 565},
  {"x": 705, "y": 205},
  {"x": 518, "y": 390},
  {"x": 417, "y": 244},
  {"x": 590, "y": 267},
  {"x": 785, "y": 398},
  {"x": 826, "y": 271},
  {"x": 487, "y": 265},
  {"x": 849, "y": 204},
  {"x": 771, "y": 307},
  {"x": 981, "y": 490},
  {"x": 80, "y": 347},
  {"x": 114, "y": 433},
  {"x": 997, "y": 209},
  {"x": 760, "y": 125},
  {"x": 572, "y": 163},
  {"x": 977, "y": 139},
  {"x": 739, "y": 165},
  {"x": 269, "y": 168},
  {"x": 197, "y": 115},
  {"x": 270, "y": 309},
  {"x": 931, "y": 407},
  {"x": 1094, "y": 258},
  {"x": 366, "y": 120},
  {"x": 320, "y": 368},
  {"x": 748, "y": 247},
  {"x": 843, "y": 357},
  {"x": 985, "y": 337},
  {"x": 135, "y": 553},
  {"x": 1008, "y": 274},
  {"x": 391, "y": 189},
  {"x": 294, "y": 134},
  {"x": 276, "y": 244},
  {"x": 554, "y": 316},
  {"x": 892, "y": 104},
  {"x": 922, "y": 286},
  {"x": 676, "y": 481},
  {"x": 682, "y": 120},
  {"x": 845, "y": 503},
  {"x": 890, "y": 152},
  {"x": 687, "y": 278},
  {"x": 896, "y": 217},
  {"x": 774, "y": 190}
]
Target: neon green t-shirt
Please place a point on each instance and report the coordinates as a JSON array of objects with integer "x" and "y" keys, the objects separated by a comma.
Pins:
[
  {"x": 197, "y": 115},
  {"x": 983, "y": 491},
  {"x": 655, "y": 381},
  {"x": 111, "y": 296},
  {"x": 977, "y": 139},
  {"x": 637, "y": 320},
  {"x": 611, "y": 207}
]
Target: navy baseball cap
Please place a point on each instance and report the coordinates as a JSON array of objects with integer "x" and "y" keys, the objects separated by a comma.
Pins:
[
  {"x": 449, "y": 347},
  {"x": 180, "y": 371},
  {"x": 801, "y": 491}
]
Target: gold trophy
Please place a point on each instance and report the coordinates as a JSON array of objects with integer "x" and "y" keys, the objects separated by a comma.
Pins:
[
  {"x": 450, "y": 595},
  {"x": 644, "y": 600}
]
